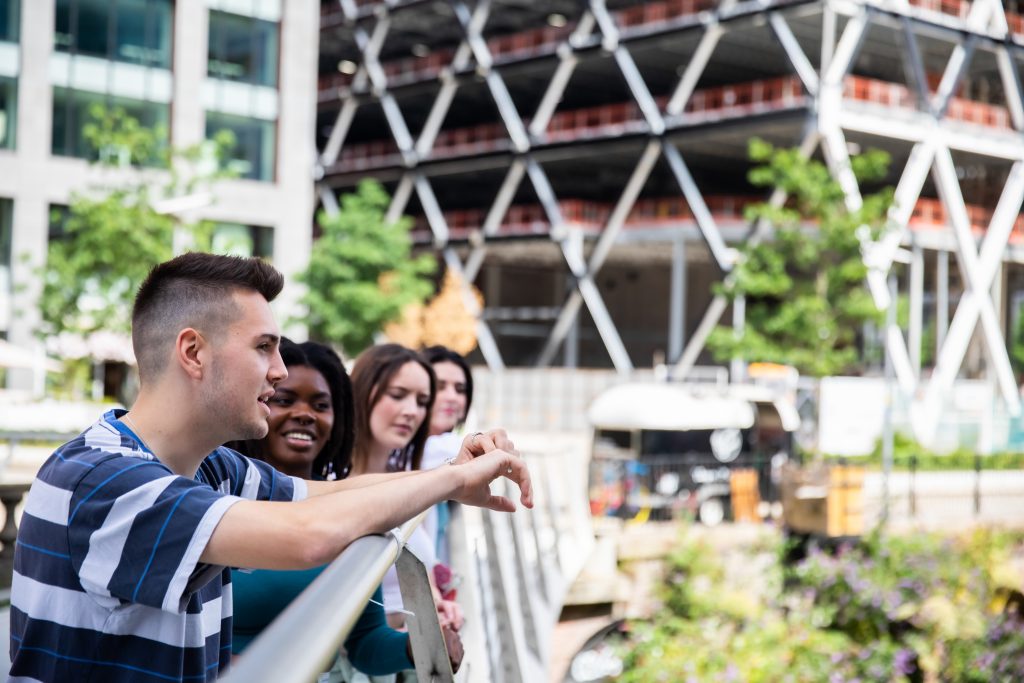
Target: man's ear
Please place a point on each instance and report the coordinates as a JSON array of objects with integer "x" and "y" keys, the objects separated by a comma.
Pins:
[{"x": 189, "y": 352}]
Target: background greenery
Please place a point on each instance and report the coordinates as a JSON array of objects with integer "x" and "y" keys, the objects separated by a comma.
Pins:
[{"x": 922, "y": 607}]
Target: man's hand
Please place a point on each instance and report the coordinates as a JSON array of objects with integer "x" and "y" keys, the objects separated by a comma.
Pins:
[
  {"x": 479, "y": 443},
  {"x": 475, "y": 476}
]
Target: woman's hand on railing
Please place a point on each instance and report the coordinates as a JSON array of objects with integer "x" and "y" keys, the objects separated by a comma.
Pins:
[
  {"x": 453, "y": 644},
  {"x": 478, "y": 443},
  {"x": 450, "y": 613},
  {"x": 475, "y": 476}
]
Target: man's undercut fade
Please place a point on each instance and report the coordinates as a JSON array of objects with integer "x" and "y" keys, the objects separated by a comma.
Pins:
[{"x": 193, "y": 290}]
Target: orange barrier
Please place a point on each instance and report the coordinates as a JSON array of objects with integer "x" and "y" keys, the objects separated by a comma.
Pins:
[
  {"x": 730, "y": 101},
  {"x": 545, "y": 39},
  {"x": 953, "y": 8},
  {"x": 530, "y": 220}
]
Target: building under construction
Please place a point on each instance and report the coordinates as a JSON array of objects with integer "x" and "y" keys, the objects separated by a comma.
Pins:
[{"x": 584, "y": 163}]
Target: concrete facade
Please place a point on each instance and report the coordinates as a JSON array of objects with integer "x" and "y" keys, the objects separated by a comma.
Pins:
[{"x": 34, "y": 179}]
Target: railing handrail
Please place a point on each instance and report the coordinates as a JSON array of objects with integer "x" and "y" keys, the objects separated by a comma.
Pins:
[{"x": 303, "y": 640}]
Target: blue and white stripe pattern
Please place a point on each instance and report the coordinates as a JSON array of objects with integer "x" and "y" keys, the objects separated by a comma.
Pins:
[{"x": 107, "y": 580}]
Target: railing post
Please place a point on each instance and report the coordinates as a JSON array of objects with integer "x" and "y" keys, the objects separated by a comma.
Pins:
[
  {"x": 977, "y": 484},
  {"x": 508, "y": 665},
  {"x": 10, "y": 496},
  {"x": 428, "y": 649},
  {"x": 913, "y": 485}
]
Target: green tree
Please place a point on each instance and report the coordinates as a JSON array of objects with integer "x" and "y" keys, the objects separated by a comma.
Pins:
[
  {"x": 112, "y": 234},
  {"x": 806, "y": 299},
  {"x": 361, "y": 275}
]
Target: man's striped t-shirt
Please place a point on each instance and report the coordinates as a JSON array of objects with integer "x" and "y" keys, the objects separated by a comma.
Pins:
[{"x": 107, "y": 580}]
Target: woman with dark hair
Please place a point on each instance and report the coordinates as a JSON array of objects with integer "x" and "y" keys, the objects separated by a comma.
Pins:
[
  {"x": 310, "y": 435},
  {"x": 454, "y": 389},
  {"x": 393, "y": 393},
  {"x": 454, "y": 398},
  {"x": 311, "y": 415},
  {"x": 393, "y": 389}
]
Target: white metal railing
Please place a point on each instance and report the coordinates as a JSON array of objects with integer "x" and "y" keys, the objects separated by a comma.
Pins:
[
  {"x": 516, "y": 570},
  {"x": 316, "y": 623}
]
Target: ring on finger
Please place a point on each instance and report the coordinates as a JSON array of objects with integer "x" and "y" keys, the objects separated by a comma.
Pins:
[{"x": 474, "y": 437}]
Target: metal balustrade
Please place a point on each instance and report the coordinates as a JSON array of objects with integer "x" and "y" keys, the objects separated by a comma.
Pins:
[
  {"x": 545, "y": 40},
  {"x": 733, "y": 101},
  {"x": 526, "y": 220},
  {"x": 516, "y": 569}
]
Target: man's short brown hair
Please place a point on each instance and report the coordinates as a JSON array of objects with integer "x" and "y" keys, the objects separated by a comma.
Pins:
[{"x": 192, "y": 290}]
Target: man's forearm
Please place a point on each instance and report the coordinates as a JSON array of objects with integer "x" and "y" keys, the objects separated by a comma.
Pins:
[
  {"x": 308, "y": 533},
  {"x": 320, "y": 488}
]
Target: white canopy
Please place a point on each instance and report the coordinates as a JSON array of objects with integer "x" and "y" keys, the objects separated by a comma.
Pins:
[
  {"x": 12, "y": 356},
  {"x": 668, "y": 407}
]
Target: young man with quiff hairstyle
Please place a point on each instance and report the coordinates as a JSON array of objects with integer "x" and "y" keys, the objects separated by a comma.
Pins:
[{"x": 122, "y": 563}]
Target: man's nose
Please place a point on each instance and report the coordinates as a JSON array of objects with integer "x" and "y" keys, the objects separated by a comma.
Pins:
[{"x": 278, "y": 371}]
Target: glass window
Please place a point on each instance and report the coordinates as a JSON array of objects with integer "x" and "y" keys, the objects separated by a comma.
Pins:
[
  {"x": 243, "y": 240},
  {"x": 58, "y": 228},
  {"x": 8, "y": 111},
  {"x": 136, "y": 31},
  {"x": 71, "y": 113},
  {"x": 242, "y": 49},
  {"x": 253, "y": 153},
  {"x": 9, "y": 20}
]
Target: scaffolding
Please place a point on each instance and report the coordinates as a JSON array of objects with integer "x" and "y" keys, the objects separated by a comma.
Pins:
[{"x": 586, "y": 125}]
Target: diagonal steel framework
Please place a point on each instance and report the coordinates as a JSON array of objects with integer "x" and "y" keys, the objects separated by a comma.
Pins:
[{"x": 830, "y": 119}]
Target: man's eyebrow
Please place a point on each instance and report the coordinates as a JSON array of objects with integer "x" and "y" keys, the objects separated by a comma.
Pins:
[{"x": 272, "y": 338}]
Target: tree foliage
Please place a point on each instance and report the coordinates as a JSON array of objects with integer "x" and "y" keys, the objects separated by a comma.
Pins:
[
  {"x": 361, "y": 275},
  {"x": 804, "y": 288},
  {"x": 112, "y": 234},
  {"x": 446, "y": 320}
]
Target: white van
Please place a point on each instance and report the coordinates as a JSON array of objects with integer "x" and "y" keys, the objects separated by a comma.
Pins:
[{"x": 661, "y": 449}]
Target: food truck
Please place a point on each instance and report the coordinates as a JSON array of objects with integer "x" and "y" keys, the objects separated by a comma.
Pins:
[{"x": 661, "y": 450}]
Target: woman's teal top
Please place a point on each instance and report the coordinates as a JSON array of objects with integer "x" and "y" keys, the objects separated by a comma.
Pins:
[{"x": 260, "y": 595}]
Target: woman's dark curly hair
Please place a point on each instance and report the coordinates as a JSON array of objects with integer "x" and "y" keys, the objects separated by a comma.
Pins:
[{"x": 333, "y": 460}]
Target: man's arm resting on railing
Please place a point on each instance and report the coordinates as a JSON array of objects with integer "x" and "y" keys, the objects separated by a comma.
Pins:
[
  {"x": 473, "y": 445},
  {"x": 312, "y": 532}
]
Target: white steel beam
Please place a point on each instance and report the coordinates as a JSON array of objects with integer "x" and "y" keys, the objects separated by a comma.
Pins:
[
  {"x": 495, "y": 84},
  {"x": 879, "y": 256},
  {"x": 914, "y": 67},
  {"x": 914, "y": 328},
  {"x": 492, "y": 222},
  {"x": 339, "y": 131},
  {"x": 917, "y": 127},
  {"x": 977, "y": 271},
  {"x": 400, "y": 199},
  {"x": 713, "y": 313},
  {"x": 484, "y": 338},
  {"x": 802, "y": 65},
  {"x": 847, "y": 48},
  {"x": 567, "y": 62},
  {"x": 640, "y": 91},
  {"x": 677, "y": 300},
  {"x": 610, "y": 232},
  {"x": 578, "y": 267},
  {"x": 1011, "y": 86},
  {"x": 941, "y": 298},
  {"x": 432, "y": 210},
  {"x": 694, "y": 68},
  {"x": 723, "y": 255}
]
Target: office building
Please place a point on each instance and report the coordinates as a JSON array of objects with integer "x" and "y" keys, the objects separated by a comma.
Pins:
[{"x": 186, "y": 67}]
